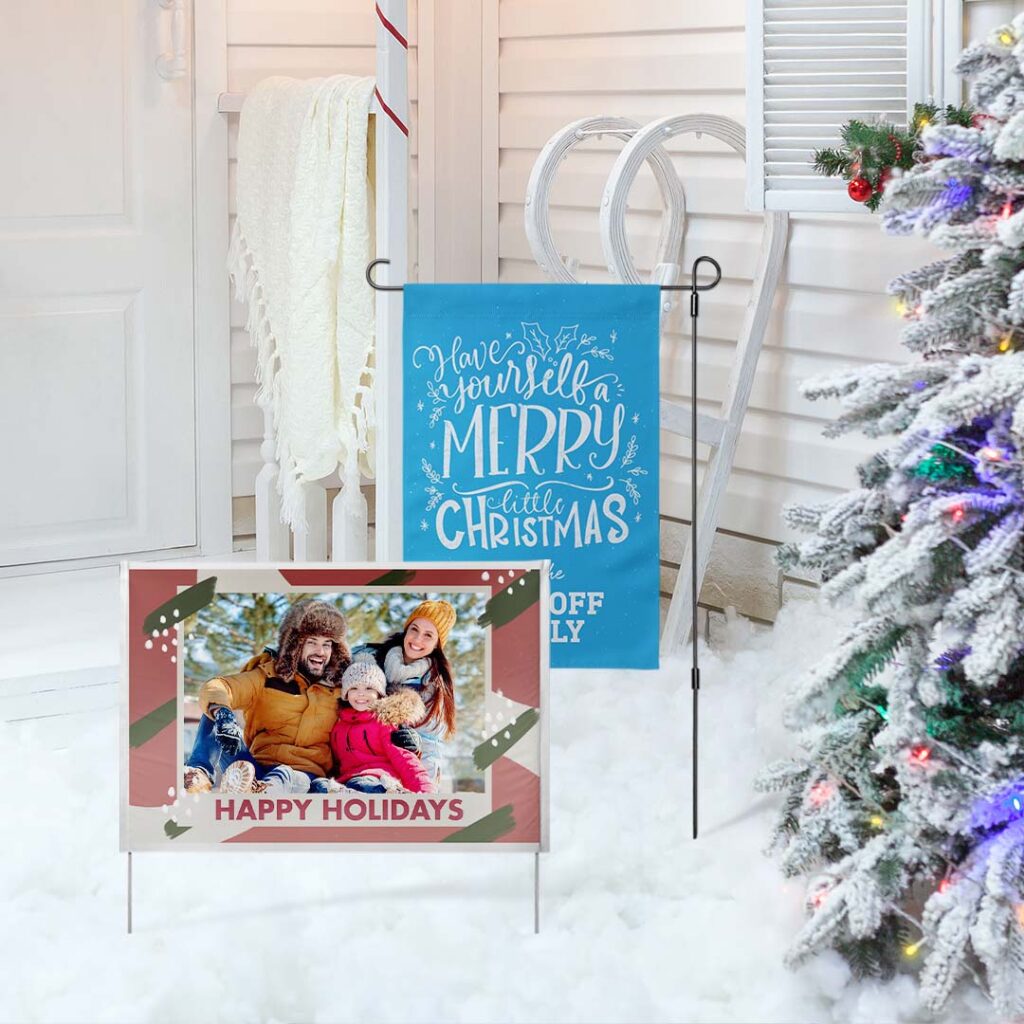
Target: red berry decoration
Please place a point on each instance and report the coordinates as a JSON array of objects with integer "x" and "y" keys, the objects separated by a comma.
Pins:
[
  {"x": 859, "y": 189},
  {"x": 978, "y": 120}
]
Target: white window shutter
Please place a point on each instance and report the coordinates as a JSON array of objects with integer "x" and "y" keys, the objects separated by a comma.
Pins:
[{"x": 812, "y": 65}]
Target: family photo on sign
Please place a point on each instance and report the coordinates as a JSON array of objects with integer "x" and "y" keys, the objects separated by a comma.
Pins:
[{"x": 305, "y": 712}]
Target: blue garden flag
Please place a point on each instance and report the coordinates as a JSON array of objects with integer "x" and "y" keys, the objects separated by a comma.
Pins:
[{"x": 530, "y": 430}]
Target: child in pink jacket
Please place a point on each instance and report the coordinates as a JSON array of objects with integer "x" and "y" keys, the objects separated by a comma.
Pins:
[{"x": 367, "y": 758}]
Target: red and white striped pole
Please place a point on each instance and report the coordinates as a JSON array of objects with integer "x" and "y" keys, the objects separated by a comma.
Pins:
[
  {"x": 396, "y": 105},
  {"x": 392, "y": 189}
]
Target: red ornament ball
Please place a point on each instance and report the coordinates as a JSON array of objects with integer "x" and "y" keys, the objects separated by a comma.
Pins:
[
  {"x": 883, "y": 178},
  {"x": 859, "y": 189},
  {"x": 920, "y": 754}
]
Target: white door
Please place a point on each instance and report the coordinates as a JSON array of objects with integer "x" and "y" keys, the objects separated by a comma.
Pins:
[{"x": 97, "y": 425}]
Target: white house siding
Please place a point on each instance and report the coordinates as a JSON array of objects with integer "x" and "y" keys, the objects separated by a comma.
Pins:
[
  {"x": 561, "y": 60},
  {"x": 304, "y": 39}
]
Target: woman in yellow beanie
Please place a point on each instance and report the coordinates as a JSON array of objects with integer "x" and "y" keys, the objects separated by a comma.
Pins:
[{"x": 414, "y": 657}]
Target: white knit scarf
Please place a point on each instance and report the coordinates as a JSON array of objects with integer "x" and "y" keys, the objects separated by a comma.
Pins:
[
  {"x": 298, "y": 256},
  {"x": 397, "y": 670}
]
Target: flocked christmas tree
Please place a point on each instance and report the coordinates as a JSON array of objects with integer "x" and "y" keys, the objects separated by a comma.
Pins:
[{"x": 905, "y": 806}]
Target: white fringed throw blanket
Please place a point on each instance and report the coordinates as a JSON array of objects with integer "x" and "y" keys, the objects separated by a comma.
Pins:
[{"x": 298, "y": 257}]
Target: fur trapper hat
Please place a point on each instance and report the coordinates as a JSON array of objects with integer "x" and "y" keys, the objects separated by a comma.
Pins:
[
  {"x": 440, "y": 613},
  {"x": 312, "y": 618},
  {"x": 363, "y": 673}
]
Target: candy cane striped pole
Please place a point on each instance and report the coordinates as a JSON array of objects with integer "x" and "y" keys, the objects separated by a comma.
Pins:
[
  {"x": 396, "y": 89},
  {"x": 392, "y": 149}
]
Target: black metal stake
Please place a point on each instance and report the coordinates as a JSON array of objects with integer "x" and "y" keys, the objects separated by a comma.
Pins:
[{"x": 695, "y": 289}]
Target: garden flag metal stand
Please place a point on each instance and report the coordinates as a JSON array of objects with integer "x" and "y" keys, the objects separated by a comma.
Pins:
[{"x": 695, "y": 290}]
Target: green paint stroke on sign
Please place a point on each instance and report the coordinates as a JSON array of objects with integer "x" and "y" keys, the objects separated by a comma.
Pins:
[
  {"x": 145, "y": 728},
  {"x": 501, "y": 742},
  {"x": 172, "y": 829},
  {"x": 394, "y": 578},
  {"x": 486, "y": 830},
  {"x": 187, "y": 603},
  {"x": 512, "y": 601}
]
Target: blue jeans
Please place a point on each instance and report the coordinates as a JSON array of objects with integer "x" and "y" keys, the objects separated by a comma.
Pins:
[
  {"x": 431, "y": 752},
  {"x": 208, "y": 754},
  {"x": 365, "y": 784}
]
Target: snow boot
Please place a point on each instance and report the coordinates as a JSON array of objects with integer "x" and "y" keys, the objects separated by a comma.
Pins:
[
  {"x": 197, "y": 780},
  {"x": 239, "y": 777}
]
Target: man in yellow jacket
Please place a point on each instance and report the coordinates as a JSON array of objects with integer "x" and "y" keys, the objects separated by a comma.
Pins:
[{"x": 289, "y": 700}]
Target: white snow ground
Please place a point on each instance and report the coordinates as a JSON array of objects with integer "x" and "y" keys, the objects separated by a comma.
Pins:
[{"x": 639, "y": 922}]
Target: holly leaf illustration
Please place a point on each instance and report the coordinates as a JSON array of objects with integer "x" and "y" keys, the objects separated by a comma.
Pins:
[
  {"x": 565, "y": 337},
  {"x": 537, "y": 338},
  {"x": 172, "y": 829}
]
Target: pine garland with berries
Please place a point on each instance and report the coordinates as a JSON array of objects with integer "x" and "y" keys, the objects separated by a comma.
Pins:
[{"x": 873, "y": 152}]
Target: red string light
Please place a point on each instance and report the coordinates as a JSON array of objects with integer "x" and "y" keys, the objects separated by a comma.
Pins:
[
  {"x": 820, "y": 792},
  {"x": 920, "y": 754}
]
